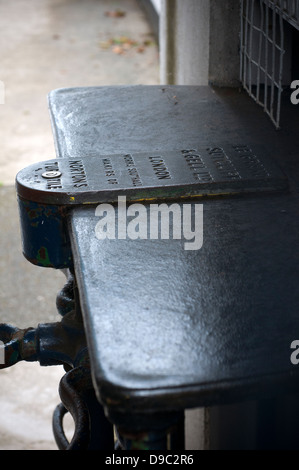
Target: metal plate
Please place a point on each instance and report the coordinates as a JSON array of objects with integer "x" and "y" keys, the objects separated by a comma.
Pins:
[{"x": 214, "y": 170}]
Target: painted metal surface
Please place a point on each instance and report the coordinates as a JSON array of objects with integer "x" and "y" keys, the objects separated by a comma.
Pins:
[
  {"x": 213, "y": 170},
  {"x": 64, "y": 343},
  {"x": 168, "y": 329},
  {"x": 45, "y": 240},
  {"x": 92, "y": 429}
]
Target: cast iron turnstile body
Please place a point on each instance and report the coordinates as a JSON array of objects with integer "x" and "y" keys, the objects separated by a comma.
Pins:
[{"x": 166, "y": 328}]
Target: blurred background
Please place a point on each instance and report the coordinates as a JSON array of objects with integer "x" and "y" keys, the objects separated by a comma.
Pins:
[{"x": 46, "y": 45}]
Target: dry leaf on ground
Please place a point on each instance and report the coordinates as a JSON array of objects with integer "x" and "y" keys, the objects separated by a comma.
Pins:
[
  {"x": 115, "y": 14},
  {"x": 120, "y": 45},
  {"x": 118, "y": 50}
]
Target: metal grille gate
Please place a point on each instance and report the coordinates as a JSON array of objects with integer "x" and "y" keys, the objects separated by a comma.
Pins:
[{"x": 263, "y": 49}]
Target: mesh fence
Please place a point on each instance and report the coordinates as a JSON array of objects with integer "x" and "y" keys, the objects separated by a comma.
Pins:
[{"x": 263, "y": 49}]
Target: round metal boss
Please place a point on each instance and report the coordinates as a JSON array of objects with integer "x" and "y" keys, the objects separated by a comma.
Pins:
[{"x": 51, "y": 174}]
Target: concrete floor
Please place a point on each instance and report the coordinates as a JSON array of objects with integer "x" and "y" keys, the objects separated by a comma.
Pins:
[{"x": 43, "y": 46}]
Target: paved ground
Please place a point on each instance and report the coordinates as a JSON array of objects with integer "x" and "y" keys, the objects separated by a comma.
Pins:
[{"x": 43, "y": 46}]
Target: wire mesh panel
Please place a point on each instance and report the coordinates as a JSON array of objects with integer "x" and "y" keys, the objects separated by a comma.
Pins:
[
  {"x": 289, "y": 9},
  {"x": 262, "y": 53}
]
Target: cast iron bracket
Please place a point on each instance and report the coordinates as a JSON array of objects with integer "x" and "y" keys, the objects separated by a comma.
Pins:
[
  {"x": 48, "y": 190},
  {"x": 64, "y": 343}
]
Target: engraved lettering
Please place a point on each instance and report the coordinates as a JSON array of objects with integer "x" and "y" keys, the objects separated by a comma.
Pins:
[
  {"x": 160, "y": 168},
  {"x": 109, "y": 171},
  {"x": 251, "y": 161},
  {"x": 132, "y": 170},
  {"x": 223, "y": 164},
  {"x": 188, "y": 151},
  {"x": 78, "y": 174},
  {"x": 53, "y": 183},
  {"x": 197, "y": 166}
]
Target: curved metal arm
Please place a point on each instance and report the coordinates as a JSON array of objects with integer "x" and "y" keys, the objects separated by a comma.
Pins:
[
  {"x": 93, "y": 431},
  {"x": 71, "y": 390},
  {"x": 50, "y": 343},
  {"x": 19, "y": 345}
]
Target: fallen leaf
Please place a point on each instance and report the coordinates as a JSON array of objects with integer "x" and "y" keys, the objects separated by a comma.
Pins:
[
  {"x": 115, "y": 14},
  {"x": 105, "y": 44},
  {"x": 127, "y": 46},
  {"x": 117, "y": 50},
  {"x": 120, "y": 45},
  {"x": 148, "y": 42}
]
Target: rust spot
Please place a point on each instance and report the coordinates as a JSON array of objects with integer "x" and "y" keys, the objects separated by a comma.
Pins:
[
  {"x": 42, "y": 253},
  {"x": 43, "y": 258}
]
